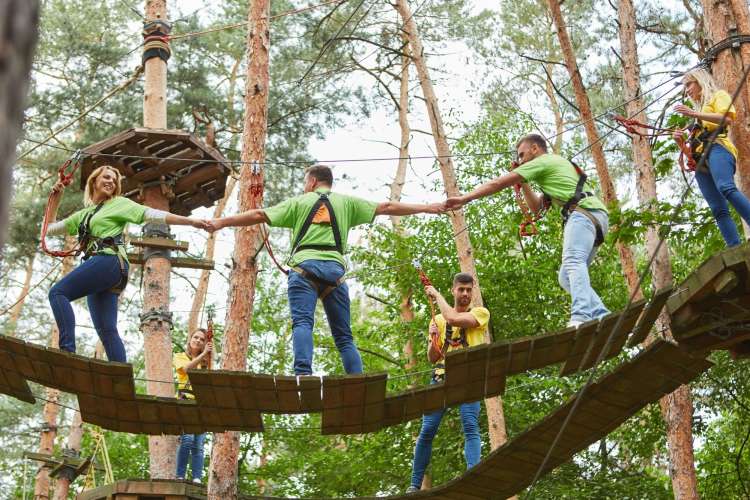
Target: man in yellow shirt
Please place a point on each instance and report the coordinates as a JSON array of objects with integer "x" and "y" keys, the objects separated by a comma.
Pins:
[{"x": 456, "y": 327}]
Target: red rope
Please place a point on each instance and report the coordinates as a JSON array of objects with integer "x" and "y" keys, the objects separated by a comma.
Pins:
[
  {"x": 66, "y": 178},
  {"x": 209, "y": 338},
  {"x": 528, "y": 226},
  {"x": 425, "y": 283},
  {"x": 632, "y": 126}
]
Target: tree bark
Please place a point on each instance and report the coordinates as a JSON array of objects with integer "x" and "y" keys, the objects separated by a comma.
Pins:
[
  {"x": 550, "y": 91},
  {"x": 18, "y": 35},
  {"x": 594, "y": 140},
  {"x": 676, "y": 408},
  {"x": 15, "y": 313},
  {"x": 157, "y": 344},
  {"x": 722, "y": 18},
  {"x": 495, "y": 416},
  {"x": 75, "y": 437},
  {"x": 51, "y": 409},
  {"x": 222, "y": 479}
]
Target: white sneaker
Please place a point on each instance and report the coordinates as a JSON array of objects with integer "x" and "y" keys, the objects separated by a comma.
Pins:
[
  {"x": 196, "y": 480},
  {"x": 574, "y": 323}
]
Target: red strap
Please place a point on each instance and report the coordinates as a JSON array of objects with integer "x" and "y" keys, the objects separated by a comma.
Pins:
[
  {"x": 632, "y": 126},
  {"x": 209, "y": 338},
  {"x": 66, "y": 177}
]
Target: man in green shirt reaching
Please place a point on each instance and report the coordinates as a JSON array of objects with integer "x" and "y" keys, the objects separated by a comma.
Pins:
[
  {"x": 320, "y": 221},
  {"x": 584, "y": 215}
]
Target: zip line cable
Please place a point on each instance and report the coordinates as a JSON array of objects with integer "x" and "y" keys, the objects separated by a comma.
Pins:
[{"x": 579, "y": 396}]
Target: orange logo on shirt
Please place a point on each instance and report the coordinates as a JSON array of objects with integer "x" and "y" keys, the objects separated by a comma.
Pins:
[{"x": 322, "y": 216}]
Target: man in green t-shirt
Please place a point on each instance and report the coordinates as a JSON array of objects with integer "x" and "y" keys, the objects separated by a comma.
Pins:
[
  {"x": 320, "y": 221},
  {"x": 584, "y": 215}
]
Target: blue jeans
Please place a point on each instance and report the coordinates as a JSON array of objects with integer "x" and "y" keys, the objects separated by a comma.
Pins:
[
  {"x": 190, "y": 448},
  {"x": 430, "y": 424},
  {"x": 717, "y": 186},
  {"x": 93, "y": 279},
  {"x": 303, "y": 298},
  {"x": 578, "y": 253}
]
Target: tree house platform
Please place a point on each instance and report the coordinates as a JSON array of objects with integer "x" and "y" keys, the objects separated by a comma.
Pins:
[{"x": 192, "y": 173}]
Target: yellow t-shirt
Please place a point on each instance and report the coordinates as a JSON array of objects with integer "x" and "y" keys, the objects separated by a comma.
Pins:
[
  {"x": 474, "y": 336},
  {"x": 720, "y": 104},
  {"x": 179, "y": 360}
]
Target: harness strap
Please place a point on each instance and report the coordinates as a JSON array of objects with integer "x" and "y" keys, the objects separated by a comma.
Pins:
[
  {"x": 323, "y": 287},
  {"x": 597, "y": 227},
  {"x": 338, "y": 247}
]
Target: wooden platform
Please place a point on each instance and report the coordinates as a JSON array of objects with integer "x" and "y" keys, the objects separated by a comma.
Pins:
[{"x": 195, "y": 172}]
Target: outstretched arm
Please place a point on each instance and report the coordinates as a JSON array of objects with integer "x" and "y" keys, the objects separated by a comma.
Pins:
[
  {"x": 249, "y": 218},
  {"x": 398, "y": 208},
  {"x": 486, "y": 189},
  {"x": 179, "y": 220}
]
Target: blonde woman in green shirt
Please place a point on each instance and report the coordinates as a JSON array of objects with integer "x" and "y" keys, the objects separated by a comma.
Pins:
[
  {"x": 320, "y": 221},
  {"x": 586, "y": 218},
  {"x": 104, "y": 270}
]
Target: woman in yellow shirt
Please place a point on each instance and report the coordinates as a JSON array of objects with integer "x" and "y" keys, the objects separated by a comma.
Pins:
[
  {"x": 196, "y": 355},
  {"x": 717, "y": 181}
]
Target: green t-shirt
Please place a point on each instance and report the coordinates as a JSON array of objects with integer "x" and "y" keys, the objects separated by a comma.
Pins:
[
  {"x": 110, "y": 220},
  {"x": 349, "y": 211},
  {"x": 557, "y": 178}
]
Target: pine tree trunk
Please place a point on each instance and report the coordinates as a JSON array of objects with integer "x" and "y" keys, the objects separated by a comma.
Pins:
[
  {"x": 15, "y": 313},
  {"x": 676, "y": 408},
  {"x": 222, "y": 479},
  {"x": 722, "y": 18},
  {"x": 592, "y": 135},
  {"x": 495, "y": 416},
  {"x": 157, "y": 343},
  {"x": 18, "y": 35},
  {"x": 51, "y": 409}
]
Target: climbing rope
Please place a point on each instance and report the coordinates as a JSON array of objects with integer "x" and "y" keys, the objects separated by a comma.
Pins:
[
  {"x": 65, "y": 173},
  {"x": 210, "y": 337}
]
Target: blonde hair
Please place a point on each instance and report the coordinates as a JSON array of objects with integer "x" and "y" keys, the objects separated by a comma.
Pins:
[
  {"x": 706, "y": 82},
  {"x": 88, "y": 192}
]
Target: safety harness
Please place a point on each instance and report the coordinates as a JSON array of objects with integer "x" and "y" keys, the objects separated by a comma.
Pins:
[
  {"x": 93, "y": 245},
  {"x": 699, "y": 143},
  {"x": 318, "y": 211},
  {"x": 572, "y": 205},
  {"x": 460, "y": 342}
]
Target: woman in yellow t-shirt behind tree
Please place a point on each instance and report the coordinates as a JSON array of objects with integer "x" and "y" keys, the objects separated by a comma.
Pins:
[
  {"x": 716, "y": 180},
  {"x": 196, "y": 355}
]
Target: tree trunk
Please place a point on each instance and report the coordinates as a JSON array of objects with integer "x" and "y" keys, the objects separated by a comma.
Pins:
[
  {"x": 75, "y": 438},
  {"x": 407, "y": 311},
  {"x": 723, "y": 18},
  {"x": 495, "y": 416},
  {"x": 18, "y": 34},
  {"x": 550, "y": 91},
  {"x": 592, "y": 135},
  {"x": 676, "y": 408},
  {"x": 222, "y": 479},
  {"x": 157, "y": 344},
  {"x": 15, "y": 313},
  {"x": 51, "y": 409}
]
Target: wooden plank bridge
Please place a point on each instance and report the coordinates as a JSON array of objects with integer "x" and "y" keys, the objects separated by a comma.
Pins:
[{"x": 710, "y": 310}]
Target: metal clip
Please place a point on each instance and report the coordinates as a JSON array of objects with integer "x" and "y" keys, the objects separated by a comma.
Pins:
[{"x": 255, "y": 167}]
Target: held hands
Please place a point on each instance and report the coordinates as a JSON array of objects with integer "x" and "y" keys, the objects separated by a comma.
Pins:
[
  {"x": 685, "y": 111},
  {"x": 431, "y": 292},
  {"x": 214, "y": 225},
  {"x": 199, "y": 224},
  {"x": 453, "y": 203}
]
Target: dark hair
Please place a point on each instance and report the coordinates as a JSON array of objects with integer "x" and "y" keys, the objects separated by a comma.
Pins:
[
  {"x": 322, "y": 173},
  {"x": 463, "y": 278},
  {"x": 534, "y": 139}
]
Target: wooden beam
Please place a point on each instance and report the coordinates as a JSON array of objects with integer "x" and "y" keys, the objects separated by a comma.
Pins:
[
  {"x": 136, "y": 258},
  {"x": 163, "y": 243}
]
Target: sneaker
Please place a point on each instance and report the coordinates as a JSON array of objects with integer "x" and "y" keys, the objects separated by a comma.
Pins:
[
  {"x": 574, "y": 323},
  {"x": 411, "y": 489},
  {"x": 196, "y": 480}
]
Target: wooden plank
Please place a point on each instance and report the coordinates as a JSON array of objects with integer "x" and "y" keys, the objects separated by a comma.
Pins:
[
  {"x": 311, "y": 393},
  {"x": 136, "y": 258},
  {"x": 163, "y": 243},
  {"x": 264, "y": 388},
  {"x": 583, "y": 337},
  {"x": 612, "y": 335},
  {"x": 395, "y": 407},
  {"x": 649, "y": 316},
  {"x": 287, "y": 394},
  {"x": 333, "y": 401}
]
